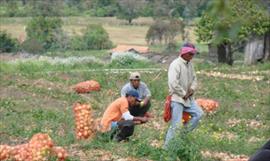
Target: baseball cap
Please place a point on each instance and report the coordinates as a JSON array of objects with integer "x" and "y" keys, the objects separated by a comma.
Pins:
[
  {"x": 133, "y": 93},
  {"x": 135, "y": 76}
]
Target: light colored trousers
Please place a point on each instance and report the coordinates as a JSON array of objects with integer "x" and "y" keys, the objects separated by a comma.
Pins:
[{"x": 176, "y": 121}]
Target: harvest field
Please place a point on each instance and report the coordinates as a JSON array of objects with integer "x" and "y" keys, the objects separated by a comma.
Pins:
[
  {"x": 47, "y": 47},
  {"x": 36, "y": 96}
]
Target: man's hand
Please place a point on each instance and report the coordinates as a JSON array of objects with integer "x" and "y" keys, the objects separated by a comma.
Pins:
[
  {"x": 140, "y": 119},
  {"x": 190, "y": 92},
  {"x": 144, "y": 119},
  {"x": 137, "y": 122},
  {"x": 148, "y": 115}
]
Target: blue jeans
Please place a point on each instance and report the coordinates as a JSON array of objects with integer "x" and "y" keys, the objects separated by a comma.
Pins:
[
  {"x": 176, "y": 122},
  {"x": 114, "y": 125}
]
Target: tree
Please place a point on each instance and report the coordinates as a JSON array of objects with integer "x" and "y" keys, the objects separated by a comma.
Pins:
[
  {"x": 185, "y": 10},
  {"x": 129, "y": 9},
  {"x": 103, "y": 8},
  {"x": 45, "y": 28},
  {"x": 48, "y": 8},
  {"x": 226, "y": 24},
  {"x": 12, "y": 8},
  {"x": 164, "y": 30},
  {"x": 94, "y": 37},
  {"x": 7, "y": 43}
]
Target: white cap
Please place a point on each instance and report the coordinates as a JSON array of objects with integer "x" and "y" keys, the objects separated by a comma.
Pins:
[{"x": 135, "y": 76}]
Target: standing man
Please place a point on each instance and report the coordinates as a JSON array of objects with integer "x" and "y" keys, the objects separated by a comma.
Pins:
[
  {"x": 143, "y": 104},
  {"x": 118, "y": 118},
  {"x": 182, "y": 84}
]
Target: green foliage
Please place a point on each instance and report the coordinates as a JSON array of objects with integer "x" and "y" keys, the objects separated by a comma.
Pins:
[
  {"x": 46, "y": 8},
  {"x": 7, "y": 44},
  {"x": 33, "y": 46},
  {"x": 94, "y": 37},
  {"x": 129, "y": 9},
  {"x": 13, "y": 9},
  {"x": 103, "y": 8},
  {"x": 183, "y": 147},
  {"x": 128, "y": 62},
  {"x": 179, "y": 8},
  {"x": 45, "y": 30},
  {"x": 234, "y": 20}
]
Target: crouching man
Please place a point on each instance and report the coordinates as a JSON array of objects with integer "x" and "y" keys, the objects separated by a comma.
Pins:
[{"x": 118, "y": 119}]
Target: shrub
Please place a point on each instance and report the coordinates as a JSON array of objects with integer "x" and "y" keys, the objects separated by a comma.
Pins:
[
  {"x": 94, "y": 37},
  {"x": 32, "y": 46},
  {"x": 45, "y": 30},
  {"x": 128, "y": 60},
  {"x": 77, "y": 43},
  {"x": 7, "y": 44}
]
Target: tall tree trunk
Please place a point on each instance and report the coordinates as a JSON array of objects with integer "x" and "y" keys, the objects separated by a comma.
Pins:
[
  {"x": 267, "y": 47},
  {"x": 221, "y": 51},
  {"x": 229, "y": 54},
  {"x": 212, "y": 53},
  {"x": 225, "y": 53},
  {"x": 24, "y": 2},
  {"x": 254, "y": 50}
]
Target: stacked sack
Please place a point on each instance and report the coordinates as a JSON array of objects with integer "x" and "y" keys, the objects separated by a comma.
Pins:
[
  {"x": 207, "y": 105},
  {"x": 87, "y": 86},
  {"x": 39, "y": 148},
  {"x": 84, "y": 123}
]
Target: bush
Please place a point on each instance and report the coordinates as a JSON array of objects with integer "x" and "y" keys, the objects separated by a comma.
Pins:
[
  {"x": 32, "y": 46},
  {"x": 94, "y": 37},
  {"x": 77, "y": 43},
  {"x": 45, "y": 30},
  {"x": 7, "y": 44}
]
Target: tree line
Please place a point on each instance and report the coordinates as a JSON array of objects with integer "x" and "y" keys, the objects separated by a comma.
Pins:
[{"x": 123, "y": 9}]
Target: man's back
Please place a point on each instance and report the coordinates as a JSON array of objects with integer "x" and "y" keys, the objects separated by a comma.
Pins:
[{"x": 114, "y": 112}]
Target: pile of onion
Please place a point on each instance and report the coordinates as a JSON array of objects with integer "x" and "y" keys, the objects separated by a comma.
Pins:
[
  {"x": 207, "y": 105},
  {"x": 39, "y": 148},
  {"x": 84, "y": 123},
  {"x": 40, "y": 145},
  {"x": 4, "y": 152},
  {"x": 87, "y": 86},
  {"x": 60, "y": 152}
]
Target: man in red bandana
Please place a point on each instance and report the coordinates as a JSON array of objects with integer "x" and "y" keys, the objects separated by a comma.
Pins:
[{"x": 182, "y": 83}]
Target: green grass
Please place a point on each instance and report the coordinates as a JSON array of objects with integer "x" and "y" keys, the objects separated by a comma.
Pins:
[
  {"x": 34, "y": 99},
  {"x": 95, "y": 53}
]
